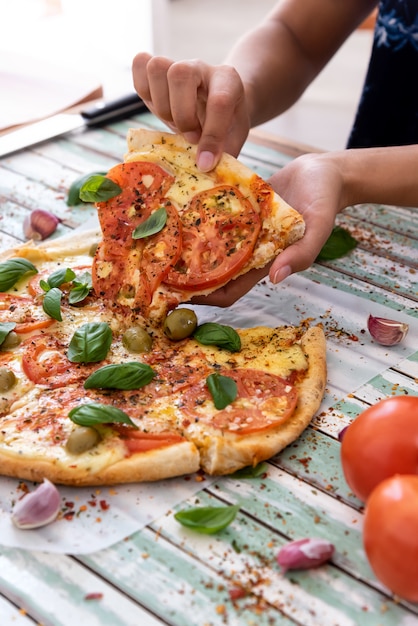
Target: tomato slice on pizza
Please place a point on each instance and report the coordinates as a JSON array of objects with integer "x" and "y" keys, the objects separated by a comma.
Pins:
[
  {"x": 220, "y": 230},
  {"x": 24, "y": 312},
  {"x": 263, "y": 401},
  {"x": 126, "y": 270}
]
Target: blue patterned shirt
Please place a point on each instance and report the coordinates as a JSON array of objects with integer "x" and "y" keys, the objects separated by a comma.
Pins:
[{"x": 388, "y": 110}]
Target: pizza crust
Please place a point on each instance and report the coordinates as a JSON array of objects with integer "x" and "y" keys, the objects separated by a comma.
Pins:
[{"x": 176, "y": 460}]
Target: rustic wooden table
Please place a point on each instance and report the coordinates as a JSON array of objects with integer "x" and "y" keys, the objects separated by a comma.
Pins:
[{"x": 165, "y": 574}]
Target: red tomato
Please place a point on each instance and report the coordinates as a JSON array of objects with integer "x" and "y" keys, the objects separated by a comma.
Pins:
[
  {"x": 381, "y": 442},
  {"x": 268, "y": 399},
  {"x": 137, "y": 441},
  {"x": 44, "y": 362},
  {"x": 390, "y": 534},
  {"x": 220, "y": 229},
  {"x": 24, "y": 311},
  {"x": 128, "y": 270}
]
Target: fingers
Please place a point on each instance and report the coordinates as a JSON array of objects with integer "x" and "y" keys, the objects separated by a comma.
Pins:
[
  {"x": 234, "y": 290},
  {"x": 226, "y": 121},
  {"x": 205, "y": 103},
  {"x": 300, "y": 255}
]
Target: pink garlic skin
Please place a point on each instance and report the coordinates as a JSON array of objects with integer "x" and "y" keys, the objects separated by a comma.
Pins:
[
  {"x": 386, "y": 332},
  {"x": 40, "y": 224},
  {"x": 37, "y": 508},
  {"x": 304, "y": 554}
]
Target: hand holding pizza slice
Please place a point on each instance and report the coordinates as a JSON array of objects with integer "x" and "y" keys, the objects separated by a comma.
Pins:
[{"x": 173, "y": 233}]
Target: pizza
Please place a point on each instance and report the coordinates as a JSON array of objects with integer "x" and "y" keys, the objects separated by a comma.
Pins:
[
  {"x": 105, "y": 385},
  {"x": 213, "y": 227}
]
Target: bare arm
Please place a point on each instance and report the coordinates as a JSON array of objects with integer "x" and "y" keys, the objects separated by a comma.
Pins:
[
  {"x": 279, "y": 59},
  {"x": 266, "y": 72}
]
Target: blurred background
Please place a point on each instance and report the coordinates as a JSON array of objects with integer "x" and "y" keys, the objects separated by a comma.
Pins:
[{"x": 96, "y": 41}]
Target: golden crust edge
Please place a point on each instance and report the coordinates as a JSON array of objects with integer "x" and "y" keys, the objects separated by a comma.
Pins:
[{"x": 178, "y": 459}]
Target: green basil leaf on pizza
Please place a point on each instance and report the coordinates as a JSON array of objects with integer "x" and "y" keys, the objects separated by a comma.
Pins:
[
  {"x": 94, "y": 413},
  {"x": 133, "y": 375}
]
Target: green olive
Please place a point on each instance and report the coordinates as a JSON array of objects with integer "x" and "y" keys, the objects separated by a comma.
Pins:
[
  {"x": 7, "y": 379},
  {"x": 12, "y": 340},
  {"x": 93, "y": 249},
  {"x": 136, "y": 339},
  {"x": 81, "y": 439},
  {"x": 180, "y": 323}
]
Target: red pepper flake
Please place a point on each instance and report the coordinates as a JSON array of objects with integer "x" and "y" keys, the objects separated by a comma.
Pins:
[
  {"x": 82, "y": 508},
  {"x": 104, "y": 505},
  {"x": 69, "y": 515},
  {"x": 95, "y": 595},
  {"x": 235, "y": 593},
  {"x": 353, "y": 337},
  {"x": 92, "y": 502}
]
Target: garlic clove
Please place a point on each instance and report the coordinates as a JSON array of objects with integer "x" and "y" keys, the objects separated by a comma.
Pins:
[
  {"x": 386, "y": 332},
  {"x": 304, "y": 554},
  {"x": 37, "y": 508},
  {"x": 40, "y": 224}
]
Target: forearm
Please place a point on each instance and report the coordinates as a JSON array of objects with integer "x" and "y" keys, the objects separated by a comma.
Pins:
[
  {"x": 279, "y": 58},
  {"x": 379, "y": 175}
]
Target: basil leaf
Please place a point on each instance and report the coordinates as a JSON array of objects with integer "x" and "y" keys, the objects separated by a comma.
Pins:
[
  {"x": 90, "y": 343},
  {"x": 152, "y": 225},
  {"x": 5, "y": 329},
  {"x": 207, "y": 519},
  {"x": 222, "y": 389},
  {"x": 99, "y": 189},
  {"x": 96, "y": 413},
  {"x": 82, "y": 286},
  {"x": 52, "y": 303},
  {"x": 60, "y": 277},
  {"x": 131, "y": 375},
  {"x": 13, "y": 269},
  {"x": 339, "y": 243},
  {"x": 213, "y": 334},
  {"x": 251, "y": 472},
  {"x": 78, "y": 294},
  {"x": 73, "y": 198}
]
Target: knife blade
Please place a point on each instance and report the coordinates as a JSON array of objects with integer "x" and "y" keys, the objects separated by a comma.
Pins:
[{"x": 62, "y": 123}]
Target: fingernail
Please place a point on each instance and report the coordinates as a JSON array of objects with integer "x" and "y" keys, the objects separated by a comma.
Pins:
[
  {"x": 281, "y": 274},
  {"x": 206, "y": 161}
]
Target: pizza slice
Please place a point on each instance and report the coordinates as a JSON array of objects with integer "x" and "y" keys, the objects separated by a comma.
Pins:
[{"x": 172, "y": 232}]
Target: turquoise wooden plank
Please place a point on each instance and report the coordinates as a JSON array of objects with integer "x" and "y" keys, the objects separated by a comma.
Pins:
[
  {"x": 14, "y": 215},
  {"x": 333, "y": 277},
  {"x": 12, "y": 615},
  {"x": 36, "y": 167},
  {"x": 188, "y": 591},
  {"x": 28, "y": 195},
  {"x": 376, "y": 239},
  {"x": 246, "y": 551},
  {"x": 77, "y": 157},
  {"x": 401, "y": 220},
  {"x": 7, "y": 241},
  {"x": 103, "y": 142},
  {"x": 315, "y": 458},
  {"x": 55, "y": 592}
]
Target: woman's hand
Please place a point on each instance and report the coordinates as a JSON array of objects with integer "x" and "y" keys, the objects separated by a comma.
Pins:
[
  {"x": 313, "y": 185},
  {"x": 205, "y": 103}
]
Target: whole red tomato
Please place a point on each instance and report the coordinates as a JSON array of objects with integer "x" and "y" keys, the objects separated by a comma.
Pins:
[
  {"x": 381, "y": 442},
  {"x": 390, "y": 534}
]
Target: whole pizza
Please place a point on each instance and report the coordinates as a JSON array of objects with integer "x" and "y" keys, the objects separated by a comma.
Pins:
[{"x": 106, "y": 375}]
